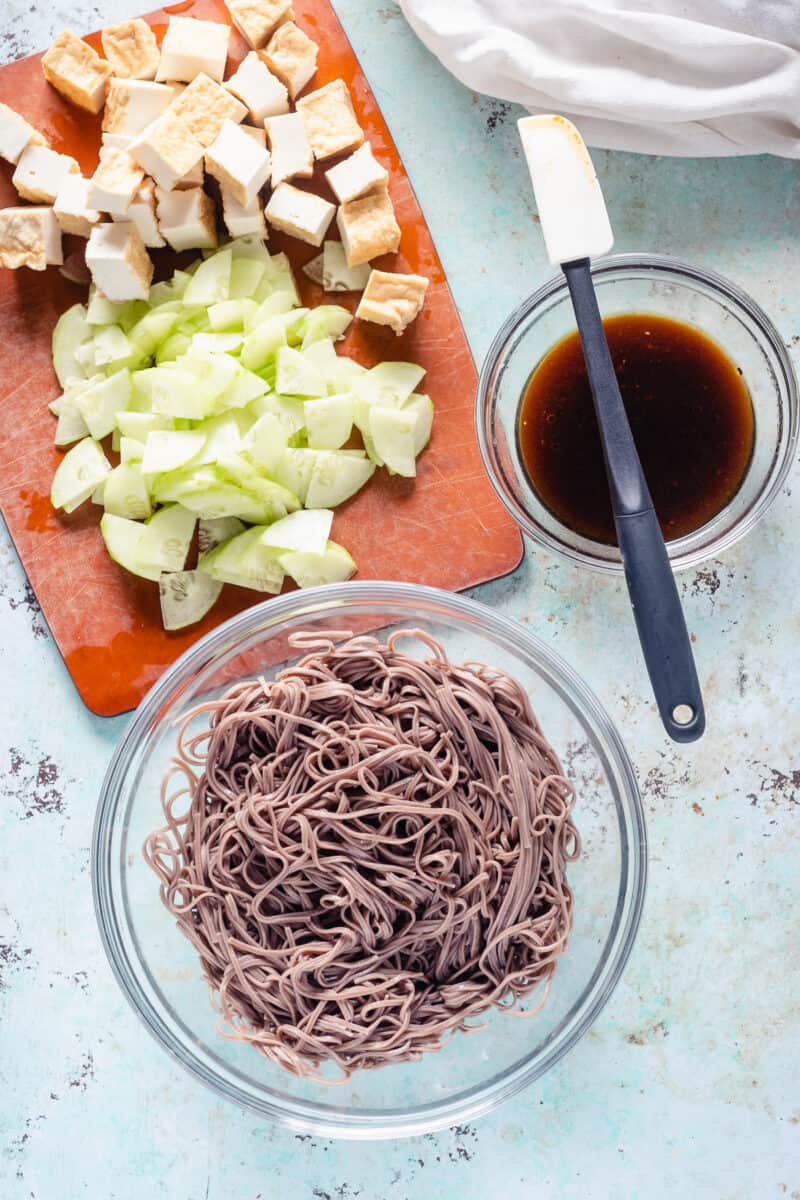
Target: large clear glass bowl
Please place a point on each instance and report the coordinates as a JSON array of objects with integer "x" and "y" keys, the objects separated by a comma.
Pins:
[
  {"x": 627, "y": 283},
  {"x": 159, "y": 971}
]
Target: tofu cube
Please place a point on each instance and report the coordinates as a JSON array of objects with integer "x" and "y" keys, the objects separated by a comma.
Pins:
[
  {"x": 191, "y": 47},
  {"x": 258, "y": 135},
  {"x": 331, "y": 124},
  {"x": 40, "y": 172},
  {"x": 392, "y": 299},
  {"x": 301, "y": 214},
  {"x": 114, "y": 141},
  {"x": 132, "y": 49},
  {"x": 259, "y": 90},
  {"x": 186, "y": 219},
  {"x": 194, "y": 178},
  {"x": 237, "y": 163},
  {"x": 132, "y": 104},
  {"x": 368, "y": 228},
  {"x": 166, "y": 151},
  {"x": 120, "y": 265},
  {"x": 29, "y": 237},
  {"x": 72, "y": 209},
  {"x": 16, "y": 134},
  {"x": 256, "y": 19},
  {"x": 203, "y": 107},
  {"x": 142, "y": 213},
  {"x": 357, "y": 175},
  {"x": 115, "y": 182},
  {"x": 242, "y": 219},
  {"x": 291, "y": 152},
  {"x": 77, "y": 71},
  {"x": 292, "y": 56}
]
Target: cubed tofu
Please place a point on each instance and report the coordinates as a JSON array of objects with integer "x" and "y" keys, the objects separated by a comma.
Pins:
[
  {"x": 16, "y": 134},
  {"x": 114, "y": 141},
  {"x": 192, "y": 179},
  {"x": 368, "y": 228},
  {"x": 40, "y": 172},
  {"x": 191, "y": 47},
  {"x": 258, "y": 135},
  {"x": 186, "y": 219},
  {"x": 115, "y": 182},
  {"x": 72, "y": 209},
  {"x": 301, "y": 214},
  {"x": 132, "y": 49},
  {"x": 119, "y": 263},
  {"x": 237, "y": 163},
  {"x": 357, "y": 175},
  {"x": 259, "y": 90},
  {"x": 77, "y": 71},
  {"x": 291, "y": 152},
  {"x": 29, "y": 237},
  {"x": 392, "y": 299},
  {"x": 166, "y": 151},
  {"x": 203, "y": 107},
  {"x": 292, "y": 56},
  {"x": 242, "y": 219},
  {"x": 142, "y": 213},
  {"x": 331, "y": 124},
  {"x": 256, "y": 19},
  {"x": 131, "y": 105}
]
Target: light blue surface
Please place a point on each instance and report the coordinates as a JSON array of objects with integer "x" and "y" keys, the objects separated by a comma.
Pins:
[{"x": 687, "y": 1085}]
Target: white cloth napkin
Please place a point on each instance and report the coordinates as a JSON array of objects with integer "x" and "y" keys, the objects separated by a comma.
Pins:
[{"x": 657, "y": 76}]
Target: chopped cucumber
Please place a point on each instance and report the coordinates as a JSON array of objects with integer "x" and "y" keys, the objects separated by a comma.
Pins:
[
  {"x": 336, "y": 477},
  {"x": 423, "y": 407},
  {"x": 99, "y": 403},
  {"x": 168, "y": 536},
  {"x": 244, "y": 561},
  {"x": 334, "y": 565},
  {"x": 266, "y": 441},
  {"x": 123, "y": 539},
  {"x": 393, "y": 431},
  {"x": 246, "y": 275},
  {"x": 329, "y": 421},
  {"x": 130, "y": 450},
  {"x": 80, "y": 471},
  {"x": 138, "y": 424},
  {"x": 211, "y": 281},
  {"x": 277, "y": 500},
  {"x": 71, "y": 426},
  {"x": 70, "y": 332},
  {"x": 167, "y": 451},
  {"x": 294, "y": 471},
  {"x": 214, "y": 532},
  {"x": 186, "y": 597},
  {"x": 296, "y": 375},
  {"x": 324, "y": 321},
  {"x": 388, "y": 383},
  {"x": 306, "y": 530},
  {"x": 110, "y": 345},
  {"x": 125, "y": 493}
]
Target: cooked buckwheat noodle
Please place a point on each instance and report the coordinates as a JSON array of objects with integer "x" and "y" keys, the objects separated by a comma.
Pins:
[{"x": 367, "y": 851}]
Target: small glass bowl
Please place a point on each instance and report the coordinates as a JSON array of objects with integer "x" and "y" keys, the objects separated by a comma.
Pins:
[
  {"x": 664, "y": 286},
  {"x": 160, "y": 972}
]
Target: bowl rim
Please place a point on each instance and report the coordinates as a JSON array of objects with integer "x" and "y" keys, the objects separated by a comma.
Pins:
[
  {"x": 682, "y": 553},
  {"x": 306, "y": 1116}
]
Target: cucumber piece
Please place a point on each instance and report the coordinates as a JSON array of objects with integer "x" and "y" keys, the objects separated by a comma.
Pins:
[
  {"x": 167, "y": 538},
  {"x": 167, "y": 451},
  {"x": 324, "y": 321},
  {"x": 138, "y": 424},
  {"x": 329, "y": 421},
  {"x": 125, "y": 493},
  {"x": 71, "y": 426},
  {"x": 245, "y": 562},
  {"x": 152, "y": 330},
  {"x": 99, "y": 403},
  {"x": 334, "y": 565},
  {"x": 214, "y": 532},
  {"x": 245, "y": 387},
  {"x": 336, "y": 477},
  {"x": 263, "y": 341},
  {"x": 277, "y": 501},
  {"x": 80, "y": 471},
  {"x": 186, "y": 597},
  {"x": 116, "y": 437},
  {"x": 100, "y": 311},
  {"x": 294, "y": 471},
  {"x": 277, "y": 304},
  {"x": 361, "y": 409},
  {"x": 227, "y": 315},
  {"x": 123, "y": 539},
  {"x": 223, "y": 435},
  {"x": 170, "y": 289},
  {"x": 281, "y": 277},
  {"x": 225, "y": 500},
  {"x": 97, "y": 494},
  {"x": 388, "y": 383},
  {"x": 216, "y": 343},
  {"x": 305, "y": 530},
  {"x": 211, "y": 281},
  {"x": 423, "y": 406},
  {"x": 172, "y": 486},
  {"x": 288, "y": 411},
  {"x": 323, "y": 355},
  {"x": 246, "y": 275},
  {"x": 130, "y": 450},
  {"x": 266, "y": 441},
  {"x": 173, "y": 391},
  {"x": 251, "y": 246},
  {"x": 173, "y": 348},
  {"x": 296, "y": 375},
  {"x": 70, "y": 332},
  {"x": 110, "y": 346},
  {"x": 393, "y": 431}
]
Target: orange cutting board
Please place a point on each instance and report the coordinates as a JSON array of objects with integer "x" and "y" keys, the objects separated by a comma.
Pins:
[{"x": 444, "y": 528}]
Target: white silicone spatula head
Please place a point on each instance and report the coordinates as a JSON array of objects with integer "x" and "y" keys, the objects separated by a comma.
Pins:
[{"x": 571, "y": 208}]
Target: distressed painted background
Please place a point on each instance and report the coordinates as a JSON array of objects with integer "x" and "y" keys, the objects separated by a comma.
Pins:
[{"x": 688, "y": 1084}]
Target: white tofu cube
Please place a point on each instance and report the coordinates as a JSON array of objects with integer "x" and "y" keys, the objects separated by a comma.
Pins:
[
  {"x": 368, "y": 227},
  {"x": 186, "y": 219},
  {"x": 258, "y": 135},
  {"x": 166, "y": 151},
  {"x": 72, "y": 209},
  {"x": 16, "y": 133},
  {"x": 259, "y": 90},
  {"x": 292, "y": 56},
  {"x": 115, "y": 182},
  {"x": 241, "y": 219},
  {"x": 77, "y": 71},
  {"x": 142, "y": 213},
  {"x": 203, "y": 107},
  {"x": 291, "y": 152},
  {"x": 192, "y": 179},
  {"x": 132, "y": 104},
  {"x": 301, "y": 214},
  {"x": 40, "y": 172},
  {"x": 256, "y": 19},
  {"x": 191, "y": 47},
  {"x": 132, "y": 49},
  {"x": 29, "y": 237},
  {"x": 237, "y": 163},
  {"x": 114, "y": 141},
  {"x": 120, "y": 265},
  {"x": 331, "y": 124},
  {"x": 357, "y": 175},
  {"x": 392, "y": 299}
]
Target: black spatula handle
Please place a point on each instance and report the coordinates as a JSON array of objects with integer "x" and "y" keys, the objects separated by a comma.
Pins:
[{"x": 654, "y": 596}]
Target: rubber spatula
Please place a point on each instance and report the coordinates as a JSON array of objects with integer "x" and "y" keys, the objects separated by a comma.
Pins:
[{"x": 576, "y": 228}]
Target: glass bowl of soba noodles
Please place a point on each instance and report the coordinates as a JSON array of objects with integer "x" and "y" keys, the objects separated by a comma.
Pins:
[{"x": 369, "y": 859}]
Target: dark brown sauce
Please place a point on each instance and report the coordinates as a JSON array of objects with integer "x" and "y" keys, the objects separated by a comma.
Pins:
[{"x": 689, "y": 410}]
